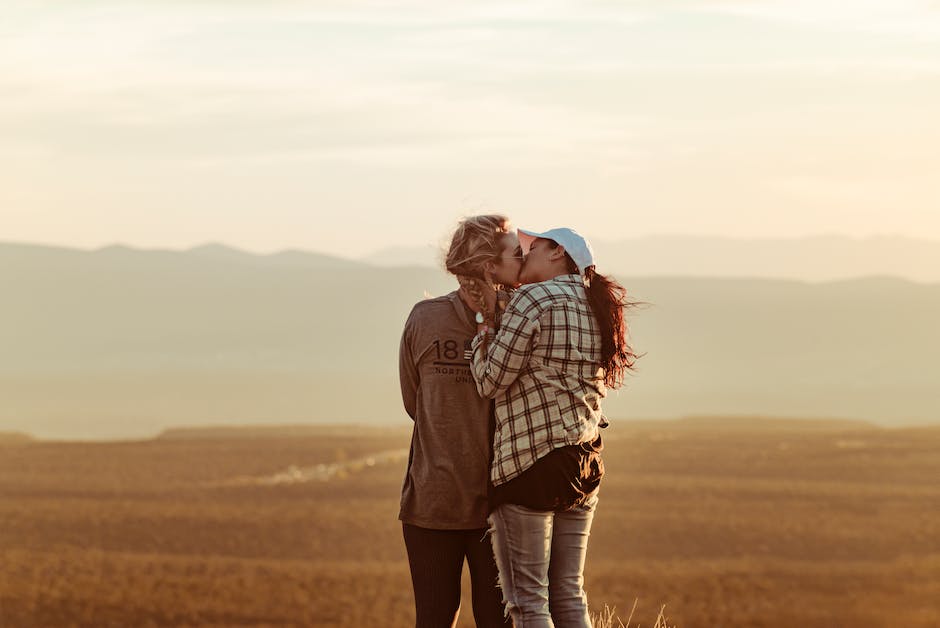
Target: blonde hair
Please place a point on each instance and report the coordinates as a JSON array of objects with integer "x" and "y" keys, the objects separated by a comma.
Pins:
[{"x": 475, "y": 242}]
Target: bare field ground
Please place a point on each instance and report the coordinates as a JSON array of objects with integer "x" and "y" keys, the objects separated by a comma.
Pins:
[{"x": 727, "y": 522}]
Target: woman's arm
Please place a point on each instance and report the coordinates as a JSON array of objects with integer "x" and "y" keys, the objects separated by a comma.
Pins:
[
  {"x": 499, "y": 357},
  {"x": 408, "y": 370}
]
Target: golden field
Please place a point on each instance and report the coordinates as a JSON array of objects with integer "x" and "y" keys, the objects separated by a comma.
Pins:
[{"x": 728, "y": 522}]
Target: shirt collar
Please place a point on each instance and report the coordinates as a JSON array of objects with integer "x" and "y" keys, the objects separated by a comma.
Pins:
[
  {"x": 572, "y": 278},
  {"x": 464, "y": 312}
]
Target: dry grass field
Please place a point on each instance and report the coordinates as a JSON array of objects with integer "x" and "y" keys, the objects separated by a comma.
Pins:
[{"x": 726, "y": 522}]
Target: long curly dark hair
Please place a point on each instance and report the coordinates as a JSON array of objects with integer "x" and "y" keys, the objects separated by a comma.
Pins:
[{"x": 608, "y": 302}]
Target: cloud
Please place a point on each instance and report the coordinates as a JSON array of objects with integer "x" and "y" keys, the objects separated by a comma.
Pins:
[
  {"x": 558, "y": 89},
  {"x": 394, "y": 84},
  {"x": 889, "y": 17}
]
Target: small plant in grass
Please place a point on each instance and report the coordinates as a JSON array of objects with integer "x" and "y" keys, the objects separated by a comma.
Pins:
[{"x": 607, "y": 617}]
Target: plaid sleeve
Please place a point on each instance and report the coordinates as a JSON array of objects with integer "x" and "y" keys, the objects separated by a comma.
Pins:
[{"x": 499, "y": 358}]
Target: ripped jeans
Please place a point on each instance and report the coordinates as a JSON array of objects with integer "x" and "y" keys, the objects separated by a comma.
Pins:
[{"x": 540, "y": 556}]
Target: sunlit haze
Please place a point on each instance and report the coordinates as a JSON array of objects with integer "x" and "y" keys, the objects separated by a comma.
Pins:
[{"x": 347, "y": 127}]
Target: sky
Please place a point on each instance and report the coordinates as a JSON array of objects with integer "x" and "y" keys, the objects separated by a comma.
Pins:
[{"x": 347, "y": 127}]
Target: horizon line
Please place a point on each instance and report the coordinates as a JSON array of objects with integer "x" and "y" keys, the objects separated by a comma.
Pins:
[{"x": 293, "y": 249}]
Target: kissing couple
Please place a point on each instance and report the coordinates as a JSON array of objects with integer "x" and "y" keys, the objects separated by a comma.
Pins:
[{"x": 503, "y": 378}]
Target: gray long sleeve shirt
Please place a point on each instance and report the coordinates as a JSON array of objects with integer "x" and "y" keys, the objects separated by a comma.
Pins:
[{"x": 446, "y": 483}]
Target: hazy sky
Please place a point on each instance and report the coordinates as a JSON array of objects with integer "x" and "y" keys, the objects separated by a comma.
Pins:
[{"x": 349, "y": 126}]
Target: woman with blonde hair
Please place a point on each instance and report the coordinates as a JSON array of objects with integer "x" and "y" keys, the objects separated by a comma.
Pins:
[{"x": 444, "y": 500}]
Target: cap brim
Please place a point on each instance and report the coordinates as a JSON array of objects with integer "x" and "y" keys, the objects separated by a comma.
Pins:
[{"x": 526, "y": 238}]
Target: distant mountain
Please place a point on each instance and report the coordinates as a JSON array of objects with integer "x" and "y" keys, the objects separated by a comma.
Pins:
[
  {"x": 38, "y": 256},
  {"x": 125, "y": 343},
  {"x": 822, "y": 258},
  {"x": 254, "y": 432},
  {"x": 292, "y": 258},
  {"x": 14, "y": 438},
  {"x": 222, "y": 252},
  {"x": 428, "y": 256}
]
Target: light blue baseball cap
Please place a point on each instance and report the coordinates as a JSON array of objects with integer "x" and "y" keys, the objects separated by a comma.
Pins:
[{"x": 576, "y": 245}]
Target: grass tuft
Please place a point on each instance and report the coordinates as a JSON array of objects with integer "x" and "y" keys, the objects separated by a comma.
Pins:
[{"x": 607, "y": 617}]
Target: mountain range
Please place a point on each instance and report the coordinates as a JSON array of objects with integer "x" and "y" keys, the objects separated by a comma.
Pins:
[
  {"x": 820, "y": 258},
  {"x": 123, "y": 343}
]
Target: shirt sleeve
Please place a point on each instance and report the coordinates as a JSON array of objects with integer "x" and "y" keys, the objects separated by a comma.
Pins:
[
  {"x": 499, "y": 357},
  {"x": 407, "y": 369}
]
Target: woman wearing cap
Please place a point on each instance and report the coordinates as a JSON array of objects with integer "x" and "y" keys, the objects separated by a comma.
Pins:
[
  {"x": 561, "y": 343},
  {"x": 444, "y": 495}
]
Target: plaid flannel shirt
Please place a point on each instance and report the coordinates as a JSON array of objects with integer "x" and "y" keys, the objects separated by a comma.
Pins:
[{"x": 543, "y": 369}]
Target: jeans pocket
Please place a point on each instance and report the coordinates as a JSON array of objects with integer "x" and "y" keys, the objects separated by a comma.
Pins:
[{"x": 589, "y": 504}]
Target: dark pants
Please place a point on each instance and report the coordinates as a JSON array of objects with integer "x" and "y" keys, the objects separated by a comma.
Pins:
[{"x": 436, "y": 559}]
